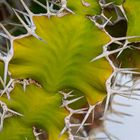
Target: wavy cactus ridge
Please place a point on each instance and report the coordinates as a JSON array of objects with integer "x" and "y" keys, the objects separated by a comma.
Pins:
[
  {"x": 64, "y": 55},
  {"x": 81, "y": 52},
  {"x": 21, "y": 133},
  {"x": 34, "y": 102},
  {"x": 65, "y": 70}
]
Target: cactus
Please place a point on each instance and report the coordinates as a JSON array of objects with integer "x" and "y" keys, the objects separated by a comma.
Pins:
[{"x": 55, "y": 78}]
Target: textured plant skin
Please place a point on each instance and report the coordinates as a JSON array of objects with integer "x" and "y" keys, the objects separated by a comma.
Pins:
[
  {"x": 66, "y": 59},
  {"x": 132, "y": 11},
  {"x": 62, "y": 67}
]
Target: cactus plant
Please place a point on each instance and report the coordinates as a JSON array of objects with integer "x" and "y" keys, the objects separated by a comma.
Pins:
[{"x": 55, "y": 76}]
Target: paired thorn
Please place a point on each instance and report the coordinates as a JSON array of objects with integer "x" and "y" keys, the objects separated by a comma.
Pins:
[
  {"x": 49, "y": 13},
  {"x": 31, "y": 29},
  {"x": 6, "y": 112},
  {"x": 91, "y": 108},
  {"x": 66, "y": 95},
  {"x": 64, "y": 7},
  {"x": 5, "y": 90},
  {"x": 100, "y": 26},
  {"x": 122, "y": 9},
  {"x": 26, "y": 8},
  {"x": 66, "y": 102},
  {"x": 6, "y": 31},
  {"x": 107, "y": 53}
]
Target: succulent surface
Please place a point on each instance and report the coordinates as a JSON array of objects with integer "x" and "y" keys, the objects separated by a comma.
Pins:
[{"x": 56, "y": 76}]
